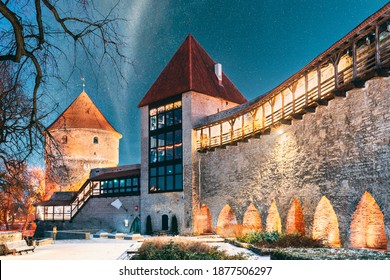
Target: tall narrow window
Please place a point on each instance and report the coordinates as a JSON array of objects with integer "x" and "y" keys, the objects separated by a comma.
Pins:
[
  {"x": 95, "y": 140},
  {"x": 165, "y": 147},
  {"x": 64, "y": 139}
]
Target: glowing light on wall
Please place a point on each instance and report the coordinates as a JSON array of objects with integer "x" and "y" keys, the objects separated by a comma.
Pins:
[
  {"x": 367, "y": 226},
  {"x": 295, "y": 221},
  {"x": 227, "y": 222},
  {"x": 273, "y": 222},
  {"x": 252, "y": 219},
  {"x": 326, "y": 225},
  {"x": 203, "y": 221}
]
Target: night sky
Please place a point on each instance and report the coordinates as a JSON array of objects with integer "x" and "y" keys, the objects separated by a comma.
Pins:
[{"x": 259, "y": 43}]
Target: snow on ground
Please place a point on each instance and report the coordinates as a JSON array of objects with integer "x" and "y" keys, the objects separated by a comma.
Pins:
[{"x": 106, "y": 249}]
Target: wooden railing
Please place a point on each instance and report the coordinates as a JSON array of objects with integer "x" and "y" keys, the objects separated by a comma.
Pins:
[
  {"x": 359, "y": 56},
  {"x": 83, "y": 195}
]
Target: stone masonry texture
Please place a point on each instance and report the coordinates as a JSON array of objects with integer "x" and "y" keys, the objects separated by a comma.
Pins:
[{"x": 340, "y": 151}]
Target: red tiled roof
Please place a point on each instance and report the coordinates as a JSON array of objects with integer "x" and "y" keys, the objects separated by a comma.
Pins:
[
  {"x": 191, "y": 68},
  {"x": 82, "y": 113}
]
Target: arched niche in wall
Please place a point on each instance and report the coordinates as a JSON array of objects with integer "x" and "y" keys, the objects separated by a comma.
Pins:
[
  {"x": 252, "y": 219},
  {"x": 227, "y": 222},
  {"x": 203, "y": 220},
  {"x": 295, "y": 221},
  {"x": 325, "y": 224},
  {"x": 367, "y": 226},
  {"x": 273, "y": 222},
  {"x": 136, "y": 226}
]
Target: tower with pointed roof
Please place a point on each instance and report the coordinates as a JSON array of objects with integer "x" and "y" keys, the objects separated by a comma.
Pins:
[
  {"x": 190, "y": 87},
  {"x": 80, "y": 139}
]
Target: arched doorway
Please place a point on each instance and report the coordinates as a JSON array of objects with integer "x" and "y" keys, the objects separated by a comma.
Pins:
[
  {"x": 227, "y": 222},
  {"x": 325, "y": 224},
  {"x": 252, "y": 219},
  {"x": 367, "y": 226},
  {"x": 273, "y": 222},
  {"x": 203, "y": 221},
  {"x": 295, "y": 222},
  {"x": 136, "y": 226},
  {"x": 164, "y": 222}
]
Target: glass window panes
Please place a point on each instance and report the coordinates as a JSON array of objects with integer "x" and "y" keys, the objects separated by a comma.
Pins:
[
  {"x": 169, "y": 118},
  {"x": 177, "y": 104},
  {"x": 161, "y": 183},
  {"x": 177, "y": 116},
  {"x": 166, "y": 149},
  {"x": 135, "y": 182},
  {"x": 178, "y": 151},
  {"x": 169, "y": 169},
  {"x": 153, "y": 141},
  {"x": 153, "y": 123},
  {"x": 161, "y": 170},
  {"x": 169, "y": 153},
  {"x": 169, "y": 138},
  {"x": 178, "y": 137},
  {"x": 161, "y": 140},
  {"x": 178, "y": 168},
  {"x": 161, "y": 120},
  {"x": 169, "y": 107},
  {"x": 178, "y": 181},
  {"x": 153, "y": 155},
  {"x": 169, "y": 184},
  {"x": 128, "y": 182},
  {"x": 161, "y": 154}
]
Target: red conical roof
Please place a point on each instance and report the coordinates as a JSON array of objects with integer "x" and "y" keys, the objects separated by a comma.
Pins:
[
  {"x": 82, "y": 113},
  {"x": 191, "y": 69}
]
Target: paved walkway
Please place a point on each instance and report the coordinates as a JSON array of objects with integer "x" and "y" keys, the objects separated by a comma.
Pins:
[
  {"x": 106, "y": 249},
  {"x": 93, "y": 249}
]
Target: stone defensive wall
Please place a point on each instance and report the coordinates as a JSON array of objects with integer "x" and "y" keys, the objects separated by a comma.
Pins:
[
  {"x": 333, "y": 164},
  {"x": 312, "y": 156}
]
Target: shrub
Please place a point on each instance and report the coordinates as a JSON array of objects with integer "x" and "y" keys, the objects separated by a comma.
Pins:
[
  {"x": 174, "y": 226},
  {"x": 275, "y": 240},
  {"x": 259, "y": 237},
  {"x": 297, "y": 241},
  {"x": 167, "y": 249},
  {"x": 149, "y": 229},
  {"x": 327, "y": 254}
]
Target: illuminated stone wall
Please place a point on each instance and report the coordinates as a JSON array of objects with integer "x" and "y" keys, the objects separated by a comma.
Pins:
[
  {"x": 75, "y": 157},
  {"x": 340, "y": 151}
]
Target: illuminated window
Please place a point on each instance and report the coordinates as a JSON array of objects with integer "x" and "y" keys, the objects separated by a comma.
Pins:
[
  {"x": 119, "y": 186},
  {"x": 165, "y": 147}
]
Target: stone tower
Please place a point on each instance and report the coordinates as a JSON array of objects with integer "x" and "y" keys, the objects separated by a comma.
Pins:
[
  {"x": 190, "y": 87},
  {"x": 79, "y": 140}
]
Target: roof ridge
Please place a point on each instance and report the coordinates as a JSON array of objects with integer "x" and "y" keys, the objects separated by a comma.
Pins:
[{"x": 190, "y": 69}]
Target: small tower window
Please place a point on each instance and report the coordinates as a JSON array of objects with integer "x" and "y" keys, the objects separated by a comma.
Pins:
[
  {"x": 96, "y": 140},
  {"x": 64, "y": 139}
]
